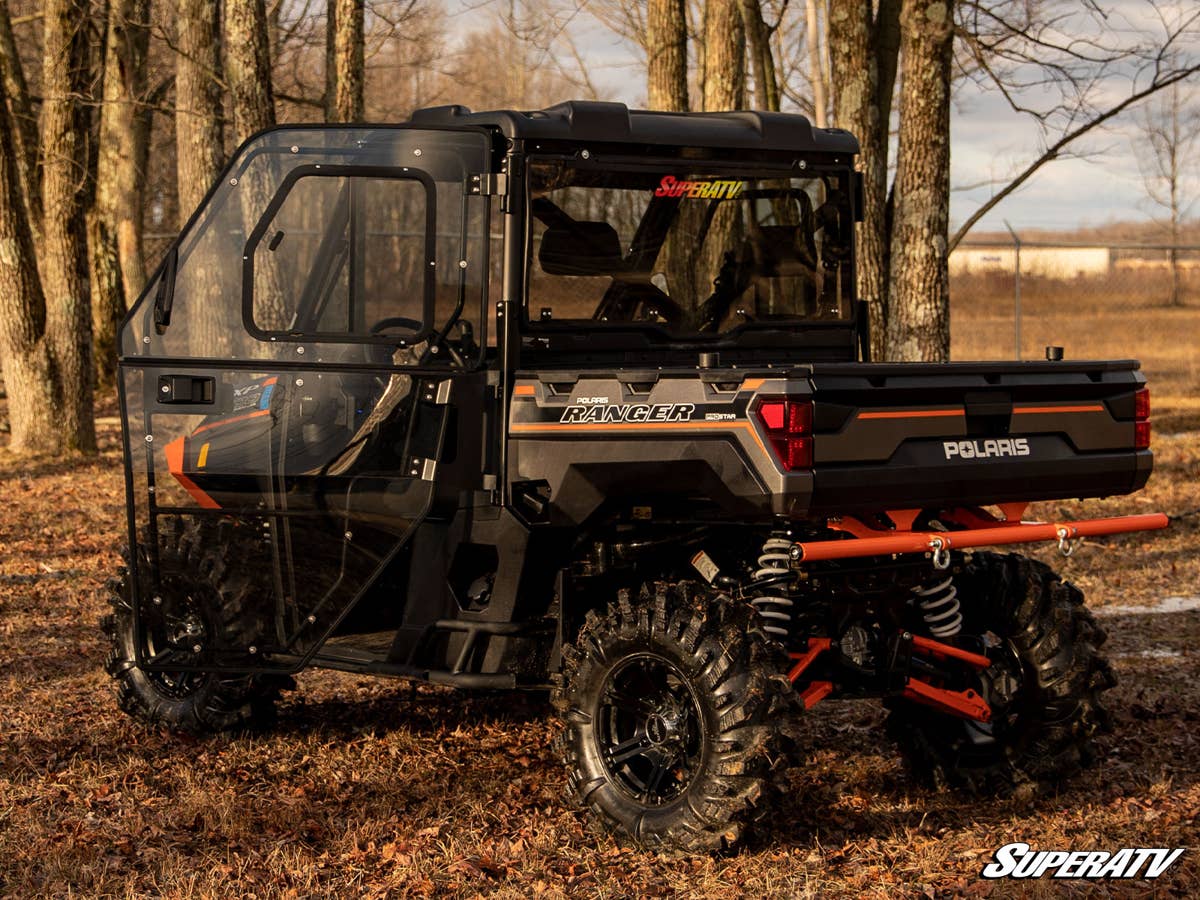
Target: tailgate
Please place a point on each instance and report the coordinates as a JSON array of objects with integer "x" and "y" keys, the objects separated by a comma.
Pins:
[{"x": 900, "y": 436}]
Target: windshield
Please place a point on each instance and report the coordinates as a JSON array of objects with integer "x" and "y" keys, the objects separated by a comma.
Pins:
[{"x": 696, "y": 252}]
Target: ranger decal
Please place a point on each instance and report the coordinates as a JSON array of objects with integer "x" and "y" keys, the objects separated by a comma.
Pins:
[{"x": 629, "y": 412}]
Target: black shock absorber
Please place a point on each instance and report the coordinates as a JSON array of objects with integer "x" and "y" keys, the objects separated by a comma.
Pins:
[{"x": 768, "y": 586}]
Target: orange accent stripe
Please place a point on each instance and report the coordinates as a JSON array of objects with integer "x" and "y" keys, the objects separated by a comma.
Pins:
[
  {"x": 638, "y": 426},
  {"x": 524, "y": 390},
  {"x": 752, "y": 384},
  {"x": 174, "y": 453},
  {"x": 1036, "y": 410},
  {"x": 253, "y": 415},
  {"x": 912, "y": 414}
]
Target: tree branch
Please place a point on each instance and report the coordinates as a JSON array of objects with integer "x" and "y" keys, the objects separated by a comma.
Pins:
[{"x": 1055, "y": 149}]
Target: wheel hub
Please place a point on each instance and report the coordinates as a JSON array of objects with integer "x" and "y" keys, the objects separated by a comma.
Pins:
[{"x": 649, "y": 729}]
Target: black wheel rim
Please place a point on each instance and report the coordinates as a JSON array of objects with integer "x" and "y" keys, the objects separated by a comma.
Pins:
[
  {"x": 172, "y": 625},
  {"x": 649, "y": 729}
]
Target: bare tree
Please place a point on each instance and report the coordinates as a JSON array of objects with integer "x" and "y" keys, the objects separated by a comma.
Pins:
[
  {"x": 919, "y": 293},
  {"x": 724, "y": 89},
  {"x": 115, "y": 221},
  {"x": 199, "y": 153},
  {"x": 24, "y": 128},
  {"x": 666, "y": 55},
  {"x": 864, "y": 49},
  {"x": 199, "y": 140},
  {"x": 344, "y": 74},
  {"x": 724, "y": 56},
  {"x": 817, "y": 76},
  {"x": 1071, "y": 68},
  {"x": 64, "y": 133},
  {"x": 34, "y": 391},
  {"x": 1170, "y": 128},
  {"x": 762, "y": 61},
  {"x": 248, "y": 67}
]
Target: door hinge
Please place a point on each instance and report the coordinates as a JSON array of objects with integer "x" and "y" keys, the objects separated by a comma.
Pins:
[{"x": 489, "y": 184}]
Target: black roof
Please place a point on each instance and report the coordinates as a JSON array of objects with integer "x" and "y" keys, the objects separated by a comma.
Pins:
[{"x": 592, "y": 121}]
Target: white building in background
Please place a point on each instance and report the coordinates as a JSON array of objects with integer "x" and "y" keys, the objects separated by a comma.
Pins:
[{"x": 1050, "y": 262}]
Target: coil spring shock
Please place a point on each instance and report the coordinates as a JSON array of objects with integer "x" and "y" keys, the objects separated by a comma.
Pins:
[
  {"x": 767, "y": 585},
  {"x": 940, "y": 608}
]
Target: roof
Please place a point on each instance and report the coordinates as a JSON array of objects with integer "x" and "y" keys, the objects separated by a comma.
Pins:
[{"x": 578, "y": 121}]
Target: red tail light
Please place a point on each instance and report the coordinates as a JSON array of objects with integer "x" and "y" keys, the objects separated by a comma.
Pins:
[
  {"x": 1141, "y": 412},
  {"x": 788, "y": 424}
]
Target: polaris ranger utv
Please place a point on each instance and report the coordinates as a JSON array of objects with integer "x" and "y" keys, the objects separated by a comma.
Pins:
[{"x": 579, "y": 400}]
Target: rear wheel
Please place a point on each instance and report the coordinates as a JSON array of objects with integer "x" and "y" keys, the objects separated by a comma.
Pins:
[
  {"x": 1044, "y": 686},
  {"x": 208, "y": 595},
  {"x": 674, "y": 707}
]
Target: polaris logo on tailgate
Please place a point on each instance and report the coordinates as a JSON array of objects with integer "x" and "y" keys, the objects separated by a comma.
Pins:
[{"x": 986, "y": 449}]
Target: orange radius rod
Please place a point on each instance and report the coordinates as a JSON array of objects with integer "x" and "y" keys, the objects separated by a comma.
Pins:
[{"x": 943, "y": 541}]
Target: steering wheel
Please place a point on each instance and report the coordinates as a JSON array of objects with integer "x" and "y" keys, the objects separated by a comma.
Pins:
[{"x": 396, "y": 322}]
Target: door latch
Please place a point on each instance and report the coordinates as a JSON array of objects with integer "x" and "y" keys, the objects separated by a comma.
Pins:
[{"x": 186, "y": 389}]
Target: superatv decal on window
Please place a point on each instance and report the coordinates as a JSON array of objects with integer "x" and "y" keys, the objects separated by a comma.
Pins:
[
  {"x": 633, "y": 412},
  {"x": 671, "y": 186}
]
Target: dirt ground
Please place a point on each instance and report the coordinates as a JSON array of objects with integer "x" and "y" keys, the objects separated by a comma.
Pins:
[{"x": 370, "y": 788}]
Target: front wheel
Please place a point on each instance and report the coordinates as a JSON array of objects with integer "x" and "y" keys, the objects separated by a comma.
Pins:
[
  {"x": 1044, "y": 686},
  {"x": 674, "y": 707},
  {"x": 206, "y": 595}
]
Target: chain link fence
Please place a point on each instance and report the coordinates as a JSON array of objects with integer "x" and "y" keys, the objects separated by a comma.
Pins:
[{"x": 1013, "y": 299}]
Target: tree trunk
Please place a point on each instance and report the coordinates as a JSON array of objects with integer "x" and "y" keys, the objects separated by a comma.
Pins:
[
  {"x": 115, "y": 226},
  {"x": 919, "y": 301},
  {"x": 724, "y": 89},
  {"x": 248, "y": 67},
  {"x": 666, "y": 55},
  {"x": 667, "y": 89},
  {"x": 762, "y": 60},
  {"x": 248, "y": 71},
  {"x": 856, "y": 63},
  {"x": 30, "y": 378},
  {"x": 724, "y": 56},
  {"x": 199, "y": 152},
  {"x": 24, "y": 125},
  {"x": 64, "y": 243},
  {"x": 199, "y": 144},
  {"x": 348, "y": 60},
  {"x": 816, "y": 70},
  {"x": 330, "y": 96}
]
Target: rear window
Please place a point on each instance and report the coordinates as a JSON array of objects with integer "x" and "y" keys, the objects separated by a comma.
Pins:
[{"x": 695, "y": 252}]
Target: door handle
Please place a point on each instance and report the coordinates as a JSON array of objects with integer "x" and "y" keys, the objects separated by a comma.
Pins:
[{"x": 187, "y": 389}]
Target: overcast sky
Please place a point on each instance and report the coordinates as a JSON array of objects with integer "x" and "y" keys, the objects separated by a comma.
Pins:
[{"x": 990, "y": 142}]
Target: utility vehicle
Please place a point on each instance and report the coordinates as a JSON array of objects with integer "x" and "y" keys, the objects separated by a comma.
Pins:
[{"x": 580, "y": 400}]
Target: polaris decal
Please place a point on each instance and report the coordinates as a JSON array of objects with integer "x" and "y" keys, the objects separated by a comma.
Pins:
[
  {"x": 671, "y": 186},
  {"x": 986, "y": 449},
  {"x": 578, "y": 414}
]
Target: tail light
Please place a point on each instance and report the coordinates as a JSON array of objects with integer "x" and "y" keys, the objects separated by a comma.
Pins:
[
  {"x": 788, "y": 424},
  {"x": 1141, "y": 415}
]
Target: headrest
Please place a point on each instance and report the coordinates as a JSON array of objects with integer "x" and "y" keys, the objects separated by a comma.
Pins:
[{"x": 581, "y": 248}]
